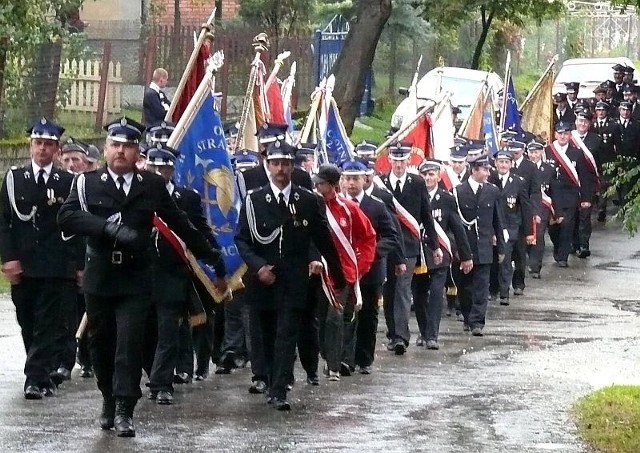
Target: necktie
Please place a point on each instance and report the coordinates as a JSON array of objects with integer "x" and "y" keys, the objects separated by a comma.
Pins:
[
  {"x": 398, "y": 190},
  {"x": 121, "y": 186},
  {"x": 40, "y": 181},
  {"x": 355, "y": 200},
  {"x": 282, "y": 204},
  {"x": 478, "y": 191},
  {"x": 460, "y": 177}
]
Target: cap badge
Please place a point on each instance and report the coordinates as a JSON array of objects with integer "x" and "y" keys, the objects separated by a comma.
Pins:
[
  {"x": 123, "y": 122},
  {"x": 43, "y": 120}
]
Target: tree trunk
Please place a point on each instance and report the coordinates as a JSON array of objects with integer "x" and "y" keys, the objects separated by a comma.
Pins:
[
  {"x": 393, "y": 59},
  {"x": 176, "y": 41},
  {"x": 44, "y": 81},
  {"x": 357, "y": 55},
  {"x": 486, "y": 26}
]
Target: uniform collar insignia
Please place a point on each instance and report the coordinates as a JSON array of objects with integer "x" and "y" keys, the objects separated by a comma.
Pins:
[
  {"x": 27, "y": 175},
  {"x": 267, "y": 198},
  {"x": 139, "y": 176},
  {"x": 104, "y": 177},
  {"x": 176, "y": 194},
  {"x": 437, "y": 197},
  {"x": 56, "y": 176},
  {"x": 296, "y": 196}
]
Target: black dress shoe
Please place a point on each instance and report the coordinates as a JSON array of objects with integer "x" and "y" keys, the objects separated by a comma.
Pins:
[
  {"x": 584, "y": 253},
  {"x": 563, "y": 264},
  {"x": 280, "y": 405},
  {"x": 222, "y": 369},
  {"x": 32, "y": 392},
  {"x": 123, "y": 420},
  {"x": 518, "y": 292},
  {"x": 49, "y": 390},
  {"x": 86, "y": 371},
  {"x": 399, "y": 348},
  {"x": 602, "y": 217},
  {"x": 65, "y": 373},
  {"x": 289, "y": 387},
  {"x": 152, "y": 395},
  {"x": 201, "y": 377},
  {"x": 182, "y": 378},
  {"x": 345, "y": 370},
  {"x": 365, "y": 370},
  {"x": 164, "y": 398},
  {"x": 108, "y": 413},
  {"x": 312, "y": 379},
  {"x": 258, "y": 387},
  {"x": 535, "y": 275},
  {"x": 504, "y": 301},
  {"x": 477, "y": 332}
]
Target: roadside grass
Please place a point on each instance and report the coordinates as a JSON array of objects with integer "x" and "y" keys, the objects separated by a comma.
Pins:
[
  {"x": 609, "y": 419},
  {"x": 373, "y": 128}
]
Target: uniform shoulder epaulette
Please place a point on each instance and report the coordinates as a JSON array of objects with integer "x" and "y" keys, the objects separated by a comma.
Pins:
[
  {"x": 376, "y": 198},
  {"x": 14, "y": 167},
  {"x": 304, "y": 189},
  {"x": 491, "y": 184}
]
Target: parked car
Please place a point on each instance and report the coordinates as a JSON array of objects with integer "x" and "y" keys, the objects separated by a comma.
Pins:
[
  {"x": 589, "y": 72},
  {"x": 463, "y": 84}
]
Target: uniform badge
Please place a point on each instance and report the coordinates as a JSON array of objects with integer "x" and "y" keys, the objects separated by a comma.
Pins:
[
  {"x": 343, "y": 222},
  {"x": 437, "y": 214},
  {"x": 267, "y": 198},
  {"x": 27, "y": 175},
  {"x": 437, "y": 197},
  {"x": 511, "y": 202},
  {"x": 139, "y": 177},
  {"x": 177, "y": 195},
  {"x": 296, "y": 223},
  {"x": 56, "y": 177},
  {"x": 60, "y": 200},
  {"x": 573, "y": 162},
  {"x": 304, "y": 222},
  {"x": 296, "y": 196},
  {"x": 104, "y": 177},
  {"x": 541, "y": 168}
]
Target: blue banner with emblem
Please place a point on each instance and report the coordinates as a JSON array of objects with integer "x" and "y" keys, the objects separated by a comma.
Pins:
[
  {"x": 204, "y": 165},
  {"x": 511, "y": 113},
  {"x": 336, "y": 142},
  {"x": 489, "y": 128}
]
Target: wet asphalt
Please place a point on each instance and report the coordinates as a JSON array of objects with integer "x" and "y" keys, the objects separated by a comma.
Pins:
[{"x": 574, "y": 331}]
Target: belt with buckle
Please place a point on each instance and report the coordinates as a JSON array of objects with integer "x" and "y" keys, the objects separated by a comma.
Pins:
[{"x": 116, "y": 257}]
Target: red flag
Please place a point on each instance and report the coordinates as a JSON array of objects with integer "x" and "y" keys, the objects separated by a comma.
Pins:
[
  {"x": 276, "y": 106},
  {"x": 420, "y": 136},
  {"x": 383, "y": 165},
  {"x": 193, "y": 81}
]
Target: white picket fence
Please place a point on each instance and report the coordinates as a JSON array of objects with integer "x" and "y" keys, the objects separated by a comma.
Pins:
[{"x": 84, "y": 77}]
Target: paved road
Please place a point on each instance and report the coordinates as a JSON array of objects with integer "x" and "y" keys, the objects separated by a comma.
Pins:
[{"x": 573, "y": 331}]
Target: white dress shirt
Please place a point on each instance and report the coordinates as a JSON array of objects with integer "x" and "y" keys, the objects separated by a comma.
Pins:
[
  {"x": 128, "y": 177},
  {"x": 286, "y": 192},
  {"x": 36, "y": 170}
]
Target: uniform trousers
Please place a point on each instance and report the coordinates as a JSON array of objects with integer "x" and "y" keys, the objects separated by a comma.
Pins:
[
  {"x": 42, "y": 306},
  {"x": 185, "y": 360},
  {"x": 309, "y": 337},
  {"x": 428, "y": 298},
  {"x": 561, "y": 234},
  {"x": 165, "y": 359},
  {"x": 536, "y": 251},
  {"x": 256, "y": 353},
  {"x": 397, "y": 302},
  {"x": 367, "y": 327},
  {"x": 236, "y": 329},
  {"x": 473, "y": 291},
  {"x": 519, "y": 258},
  {"x": 505, "y": 269},
  {"x": 339, "y": 332},
  {"x": 115, "y": 327},
  {"x": 582, "y": 229},
  {"x": 84, "y": 357}
]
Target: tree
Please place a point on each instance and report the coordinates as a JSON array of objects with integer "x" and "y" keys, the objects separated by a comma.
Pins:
[
  {"x": 35, "y": 28},
  {"x": 357, "y": 55},
  {"x": 453, "y": 12},
  {"x": 279, "y": 18}
]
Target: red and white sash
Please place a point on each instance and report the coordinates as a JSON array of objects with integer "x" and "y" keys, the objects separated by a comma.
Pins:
[
  {"x": 345, "y": 243},
  {"x": 562, "y": 160},
  {"x": 580, "y": 144},
  {"x": 443, "y": 239},
  {"x": 546, "y": 201},
  {"x": 449, "y": 177}
]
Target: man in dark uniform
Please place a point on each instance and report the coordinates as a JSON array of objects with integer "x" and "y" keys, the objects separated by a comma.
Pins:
[
  {"x": 626, "y": 132},
  {"x": 277, "y": 224},
  {"x": 481, "y": 213},
  {"x": 570, "y": 189},
  {"x": 618, "y": 78},
  {"x": 518, "y": 215},
  {"x": 628, "y": 74},
  {"x": 428, "y": 289},
  {"x": 524, "y": 168},
  {"x": 387, "y": 241},
  {"x": 41, "y": 267},
  {"x": 630, "y": 92},
  {"x": 172, "y": 281},
  {"x": 155, "y": 103},
  {"x": 411, "y": 195},
  {"x": 590, "y": 143},
  {"x": 544, "y": 210},
  {"x": 611, "y": 97},
  {"x": 562, "y": 110},
  {"x": 114, "y": 207},
  {"x": 604, "y": 127},
  {"x": 572, "y": 94}
]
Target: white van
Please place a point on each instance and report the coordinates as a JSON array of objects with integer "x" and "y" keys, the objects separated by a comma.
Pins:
[
  {"x": 589, "y": 72},
  {"x": 463, "y": 84}
]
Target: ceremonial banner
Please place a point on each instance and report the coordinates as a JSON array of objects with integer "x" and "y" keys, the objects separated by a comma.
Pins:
[
  {"x": 287, "y": 97},
  {"x": 204, "y": 165},
  {"x": 473, "y": 126},
  {"x": 420, "y": 137},
  {"x": 489, "y": 126},
  {"x": 276, "y": 105},
  {"x": 193, "y": 78},
  {"x": 442, "y": 130},
  {"x": 537, "y": 109},
  {"x": 511, "y": 120}
]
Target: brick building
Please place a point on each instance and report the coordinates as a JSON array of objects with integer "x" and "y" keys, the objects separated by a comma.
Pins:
[{"x": 195, "y": 11}]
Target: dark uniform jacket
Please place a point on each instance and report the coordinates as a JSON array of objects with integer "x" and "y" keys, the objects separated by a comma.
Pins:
[
  {"x": 545, "y": 173},
  {"x": 529, "y": 172},
  {"x": 484, "y": 208},
  {"x": 38, "y": 243},
  {"x": 415, "y": 199},
  {"x": 388, "y": 238},
  {"x": 516, "y": 205},
  {"x": 626, "y": 139},
  {"x": 444, "y": 210},
  {"x": 304, "y": 221},
  {"x": 172, "y": 278},
  {"x": 568, "y": 116},
  {"x": 564, "y": 193},
  {"x": 148, "y": 195},
  {"x": 153, "y": 106},
  {"x": 397, "y": 256},
  {"x": 606, "y": 153}
]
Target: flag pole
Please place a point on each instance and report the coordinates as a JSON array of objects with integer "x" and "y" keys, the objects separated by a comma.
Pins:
[
  {"x": 507, "y": 75},
  {"x": 276, "y": 67},
  {"x": 422, "y": 112},
  {"x": 311, "y": 117},
  {"x": 481, "y": 91},
  {"x": 539, "y": 82},
  {"x": 206, "y": 33},
  {"x": 260, "y": 44}
]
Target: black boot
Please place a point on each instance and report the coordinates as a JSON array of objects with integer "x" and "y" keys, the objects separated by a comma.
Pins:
[
  {"x": 123, "y": 420},
  {"x": 108, "y": 412}
]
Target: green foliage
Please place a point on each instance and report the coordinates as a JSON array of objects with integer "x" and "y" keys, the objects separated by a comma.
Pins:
[
  {"x": 609, "y": 419},
  {"x": 373, "y": 128},
  {"x": 625, "y": 178},
  {"x": 279, "y": 17}
]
